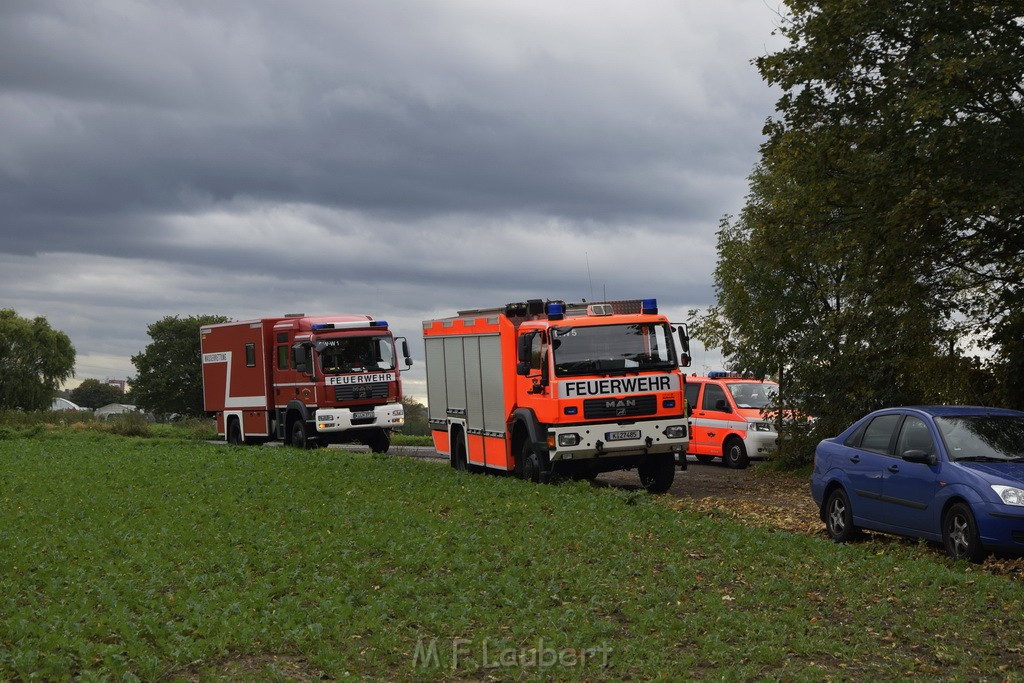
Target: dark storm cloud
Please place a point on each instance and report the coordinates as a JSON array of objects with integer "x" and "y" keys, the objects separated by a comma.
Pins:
[{"x": 418, "y": 157}]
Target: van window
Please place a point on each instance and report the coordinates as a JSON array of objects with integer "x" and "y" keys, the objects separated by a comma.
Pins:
[
  {"x": 712, "y": 395},
  {"x": 692, "y": 390}
]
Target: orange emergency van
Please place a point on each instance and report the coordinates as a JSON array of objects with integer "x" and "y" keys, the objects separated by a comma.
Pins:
[{"x": 727, "y": 418}]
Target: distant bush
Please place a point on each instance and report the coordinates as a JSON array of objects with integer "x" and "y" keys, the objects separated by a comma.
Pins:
[{"x": 127, "y": 424}]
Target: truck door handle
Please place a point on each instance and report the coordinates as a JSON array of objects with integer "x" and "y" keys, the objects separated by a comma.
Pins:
[{"x": 894, "y": 469}]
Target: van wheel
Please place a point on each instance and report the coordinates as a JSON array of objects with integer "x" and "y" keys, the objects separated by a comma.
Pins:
[
  {"x": 657, "y": 474},
  {"x": 735, "y": 454},
  {"x": 960, "y": 534}
]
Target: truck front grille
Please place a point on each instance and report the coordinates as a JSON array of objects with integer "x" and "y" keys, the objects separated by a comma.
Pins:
[
  {"x": 361, "y": 392},
  {"x": 630, "y": 406}
]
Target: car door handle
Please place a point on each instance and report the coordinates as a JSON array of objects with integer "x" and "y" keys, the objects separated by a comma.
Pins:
[
  {"x": 855, "y": 459},
  {"x": 894, "y": 469}
]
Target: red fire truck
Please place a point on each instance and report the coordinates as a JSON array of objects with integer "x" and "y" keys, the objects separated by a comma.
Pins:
[
  {"x": 307, "y": 381},
  {"x": 541, "y": 388}
]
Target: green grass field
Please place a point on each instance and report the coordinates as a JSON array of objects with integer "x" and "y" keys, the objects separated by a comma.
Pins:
[{"x": 162, "y": 559}]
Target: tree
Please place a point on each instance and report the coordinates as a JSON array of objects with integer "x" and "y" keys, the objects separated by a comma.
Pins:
[
  {"x": 92, "y": 393},
  {"x": 170, "y": 378},
  {"x": 882, "y": 232},
  {"x": 415, "y": 418},
  {"x": 34, "y": 361}
]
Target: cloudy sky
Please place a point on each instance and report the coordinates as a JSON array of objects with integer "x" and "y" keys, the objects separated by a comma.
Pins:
[{"x": 404, "y": 159}]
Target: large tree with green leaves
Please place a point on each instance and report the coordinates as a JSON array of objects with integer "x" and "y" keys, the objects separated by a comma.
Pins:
[
  {"x": 170, "y": 378},
  {"x": 92, "y": 393},
  {"x": 35, "y": 360},
  {"x": 882, "y": 234}
]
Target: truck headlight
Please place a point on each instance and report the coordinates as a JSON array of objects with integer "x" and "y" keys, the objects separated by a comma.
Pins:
[
  {"x": 761, "y": 427},
  {"x": 1009, "y": 494},
  {"x": 675, "y": 431},
  {"x": 566, "y": 440}
]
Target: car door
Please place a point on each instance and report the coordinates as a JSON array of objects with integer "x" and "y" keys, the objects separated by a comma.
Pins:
[
  {"x": 866, "y": 455},
  {"x": 909, "y": 488}
]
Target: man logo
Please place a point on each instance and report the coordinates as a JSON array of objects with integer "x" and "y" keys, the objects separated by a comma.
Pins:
[{"x": 620, "y": 406}]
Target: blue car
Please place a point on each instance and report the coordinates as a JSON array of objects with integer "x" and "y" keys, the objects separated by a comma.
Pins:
[{"x": 950, "y": 474}]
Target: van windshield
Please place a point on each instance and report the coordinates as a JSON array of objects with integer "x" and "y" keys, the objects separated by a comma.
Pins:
[{"x": 753, "y": 394}]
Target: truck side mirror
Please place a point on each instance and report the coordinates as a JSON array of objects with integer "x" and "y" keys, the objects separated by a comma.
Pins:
[
  {"x": 300, "y": 356},
  {"x": 405, "y": 352},
  {"x": 525, "y": 350},
  {"x": 684, "y": 345}
]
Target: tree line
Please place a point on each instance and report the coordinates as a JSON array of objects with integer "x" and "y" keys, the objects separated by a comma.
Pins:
[{"x": 879, "y": 257}]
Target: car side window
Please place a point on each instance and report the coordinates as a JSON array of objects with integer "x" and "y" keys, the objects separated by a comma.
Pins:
[
  {"x": 691, "y": 395},
  {"x": 713, "y": 394},
  {"x": 878, "y": 434},
  {"x": 914, "y": 436}
]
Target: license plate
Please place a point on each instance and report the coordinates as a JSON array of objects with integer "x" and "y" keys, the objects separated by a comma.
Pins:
[
  {"x": 622, "y": 436},
  {"x": 362, "y": 414}
]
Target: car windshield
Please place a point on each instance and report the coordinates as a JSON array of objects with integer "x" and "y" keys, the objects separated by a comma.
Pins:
[
  {"x": 355, "y": 354},
  {"x": 983, "y": 437},
  {"x": 612, "y": 348},
  {"x": 753, "y": 394}
]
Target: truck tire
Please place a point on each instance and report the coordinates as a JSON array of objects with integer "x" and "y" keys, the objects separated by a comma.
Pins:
[
  {"x": 658, "y": 473},
  {"x": 459, "y": 460},
  {"x": 235, "y": 433},
  {"x": 299, "y": 439},
  {"x": 379, "y": 441},
  {"x": 734, "y": 454},
  {"x": 528, "y": 464}
]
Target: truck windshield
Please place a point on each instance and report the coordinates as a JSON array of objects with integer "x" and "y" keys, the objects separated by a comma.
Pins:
[
  {"x": 355, "y": 354},
  {"x": 611, "y": 348},
  {"x": 753, "y": 394}
]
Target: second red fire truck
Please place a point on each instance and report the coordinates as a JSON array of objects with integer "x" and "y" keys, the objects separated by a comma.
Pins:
[
  {"x": 541, "y": 388},
  {"x": 306, "y": 381}
]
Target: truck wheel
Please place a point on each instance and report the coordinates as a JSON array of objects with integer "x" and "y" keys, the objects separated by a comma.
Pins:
[
  {"x": 235, "y": 434},
  {"x": 528, "y": 464},
  {"x": 379, "y": 441},
  {"x": 735, "y": 454},
  {"x": 459, "y": 461},
  {"x": 299, "y": 439},
  {"x": 658, "y": 473}
]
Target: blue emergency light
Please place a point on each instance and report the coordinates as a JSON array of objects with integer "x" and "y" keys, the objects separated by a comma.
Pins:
[
  {"x": 649, "y": 306},
  {"x": 556, "y": 311}
]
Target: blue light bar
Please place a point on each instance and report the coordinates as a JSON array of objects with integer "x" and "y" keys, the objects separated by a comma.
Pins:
[
  {"x": 718, "y": 374},
  {"x": 323, "y": 326},
  {"x": 556, "y": 311},
  {"x": 649, "y": 306},
  {"x": 379, "y": 323}
]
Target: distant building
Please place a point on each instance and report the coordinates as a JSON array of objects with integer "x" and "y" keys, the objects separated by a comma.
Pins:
[
  {"x": 118, "y": 383},
  {"x": 114, "y": 409},
  {"x": 64, "y": 404}
]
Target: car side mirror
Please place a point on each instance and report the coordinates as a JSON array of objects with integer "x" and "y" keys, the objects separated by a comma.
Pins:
[
  {"x": 915, "y": 455},
  {"x": 722, "y": 406}
]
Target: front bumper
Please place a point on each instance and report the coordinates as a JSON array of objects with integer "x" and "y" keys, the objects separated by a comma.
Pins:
[
  {"x": 600, "y": 440},
  {"x": 334, "y": 420}
]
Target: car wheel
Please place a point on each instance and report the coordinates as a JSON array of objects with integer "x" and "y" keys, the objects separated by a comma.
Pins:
[
  {"x": 735, "y": 454},
  {"x": 839, "y": 517},
  {"x": 657, "y": 474},
  {"x": 960, "y": 534}
]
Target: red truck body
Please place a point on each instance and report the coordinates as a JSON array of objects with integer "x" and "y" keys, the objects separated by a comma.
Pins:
[{"x": 307, "y": 381}]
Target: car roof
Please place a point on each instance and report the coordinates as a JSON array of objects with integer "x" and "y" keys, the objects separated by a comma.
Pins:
[{"x": 959, "y": 411}]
